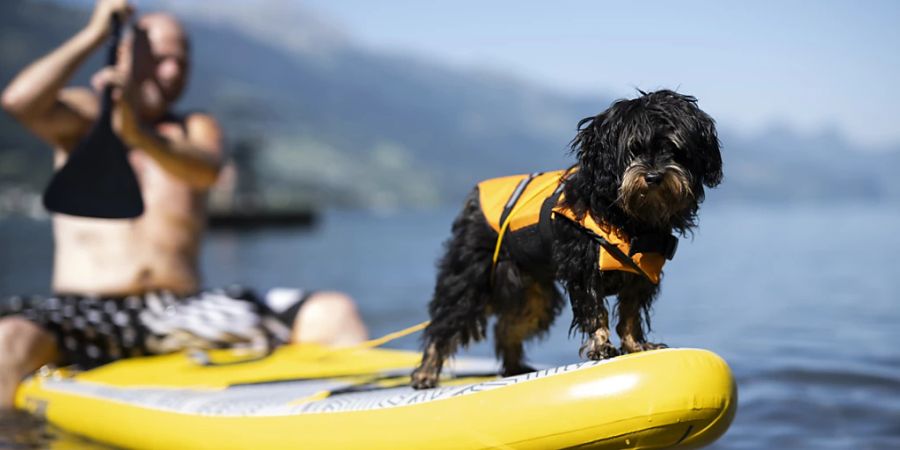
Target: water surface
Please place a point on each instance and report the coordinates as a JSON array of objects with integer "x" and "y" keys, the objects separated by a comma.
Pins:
[{"x": 803, "y": 303}]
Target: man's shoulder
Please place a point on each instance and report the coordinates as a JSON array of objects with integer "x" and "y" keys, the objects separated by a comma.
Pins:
[
  {"x": 199, "y": 127},
  {"x": 187, "y": 114},
  {"x": 200, "y": 118},
  {"x": 190, "y": 117}
]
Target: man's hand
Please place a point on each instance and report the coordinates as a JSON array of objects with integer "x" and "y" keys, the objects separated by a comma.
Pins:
[
  {"x": 125, "y": 121},
  {"x": 103, "y": 12},
  {"x": 126, "y": 85}
]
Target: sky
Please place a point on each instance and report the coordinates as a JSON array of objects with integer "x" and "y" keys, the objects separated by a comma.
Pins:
[{"x": 814, "y": 65}]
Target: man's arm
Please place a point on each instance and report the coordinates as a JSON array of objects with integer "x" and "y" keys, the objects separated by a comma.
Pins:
[
  {"x": 36, "y": 96},
  {"x": 195, "y": 158}
]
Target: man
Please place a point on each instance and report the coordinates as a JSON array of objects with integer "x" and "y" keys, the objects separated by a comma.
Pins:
[{"x": 130, "y": 287}]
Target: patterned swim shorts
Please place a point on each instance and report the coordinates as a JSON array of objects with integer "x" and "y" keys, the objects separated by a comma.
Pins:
[{"x": 91, "y": 331}]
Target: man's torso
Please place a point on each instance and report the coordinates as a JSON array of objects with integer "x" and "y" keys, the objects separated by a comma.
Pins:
[{"x": 157, "y": 251}]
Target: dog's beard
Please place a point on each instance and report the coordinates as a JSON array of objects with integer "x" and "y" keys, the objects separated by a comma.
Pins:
[{"x": 655, "y": 204}]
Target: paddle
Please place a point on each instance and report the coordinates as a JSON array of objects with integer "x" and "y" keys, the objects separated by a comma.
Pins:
[{"x": 97, "y": 179}]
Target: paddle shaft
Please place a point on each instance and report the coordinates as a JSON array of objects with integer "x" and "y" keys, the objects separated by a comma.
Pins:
[{"x": 112, "y": 58}]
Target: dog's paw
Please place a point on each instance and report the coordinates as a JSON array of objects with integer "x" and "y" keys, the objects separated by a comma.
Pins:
[
  {"x": 653, "y": 346},
  {"x": 596, "y": 351},
  {"x": 643, "y": 347},
  {"x": 424, "y": 379}
]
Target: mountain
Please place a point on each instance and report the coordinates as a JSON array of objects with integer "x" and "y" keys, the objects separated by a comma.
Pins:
[
  {"x": 423, "y": 125},
  {"x": 321, "y": 117},
  {"x": 782, "y": 166}
]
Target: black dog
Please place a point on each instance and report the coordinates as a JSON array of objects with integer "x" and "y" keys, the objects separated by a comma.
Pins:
[{"x": 602, "y": 228}]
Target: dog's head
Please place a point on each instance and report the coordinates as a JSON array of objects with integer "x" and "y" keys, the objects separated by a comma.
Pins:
[{"x": 650, "y": 158}]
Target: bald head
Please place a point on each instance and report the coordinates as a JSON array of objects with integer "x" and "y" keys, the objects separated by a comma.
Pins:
[
  {"x": 161, "y": 51},
  {"x": 164, "y": 27}
]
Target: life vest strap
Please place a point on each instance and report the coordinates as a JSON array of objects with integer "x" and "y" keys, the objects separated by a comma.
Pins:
[
  {"x": 611, "y": 248},
  {"x": 545, "y": 219},
  {"x": 508, "y": 209}
]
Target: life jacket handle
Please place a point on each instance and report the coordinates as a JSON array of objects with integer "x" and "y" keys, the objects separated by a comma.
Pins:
[
  {"x": 506, "y": 218},
  {"x": 513, "y": 206}
]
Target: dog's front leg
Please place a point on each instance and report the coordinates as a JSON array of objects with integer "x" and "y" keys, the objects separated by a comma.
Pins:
[{"x": 632, "y": 306}]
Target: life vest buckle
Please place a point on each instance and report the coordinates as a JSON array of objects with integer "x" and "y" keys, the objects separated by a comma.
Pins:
[{"x": 665, "y": 245}]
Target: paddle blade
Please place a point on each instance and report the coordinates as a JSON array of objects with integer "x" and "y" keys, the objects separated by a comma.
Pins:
[{"x": 97, "y": 180}]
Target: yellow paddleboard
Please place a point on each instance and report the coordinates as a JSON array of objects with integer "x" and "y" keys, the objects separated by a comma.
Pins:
[{"x": 311, "y": 397}]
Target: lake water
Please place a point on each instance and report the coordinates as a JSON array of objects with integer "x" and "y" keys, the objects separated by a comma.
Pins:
[{"x": 803, "y": 303}]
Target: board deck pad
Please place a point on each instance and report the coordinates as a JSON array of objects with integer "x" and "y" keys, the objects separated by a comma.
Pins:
[{"x": 283, "y": 398}]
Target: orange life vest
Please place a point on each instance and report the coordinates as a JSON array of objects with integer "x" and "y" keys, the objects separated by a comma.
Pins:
[{"x": 514, "y": 205}]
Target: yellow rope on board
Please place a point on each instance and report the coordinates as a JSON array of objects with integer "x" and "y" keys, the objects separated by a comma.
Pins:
[
  {"x": 377, "y": 342},
  {"x": 371, "y": 343}
]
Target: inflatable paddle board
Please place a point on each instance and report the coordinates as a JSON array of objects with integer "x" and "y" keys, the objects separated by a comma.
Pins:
[{"x": 306, "y": 396}]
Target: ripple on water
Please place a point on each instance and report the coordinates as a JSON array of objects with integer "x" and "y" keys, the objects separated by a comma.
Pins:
[
  {"x": 804, "y": 407},
  {"x": 20, "y": 431}
]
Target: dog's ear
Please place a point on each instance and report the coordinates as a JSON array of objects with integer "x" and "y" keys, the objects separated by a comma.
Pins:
[
  {"x": 707, "y": 154},
  {"x": 596, "y": 143},
  {"x": 587, "y": 136},
  {"x": 698, "y": 129},
  {"x": 599, "y": 163}
]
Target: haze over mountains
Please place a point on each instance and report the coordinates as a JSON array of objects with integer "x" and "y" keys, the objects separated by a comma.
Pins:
[{"x": 345, "y": 125}]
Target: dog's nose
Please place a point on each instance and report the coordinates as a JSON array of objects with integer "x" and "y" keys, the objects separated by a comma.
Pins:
[{"x": 653, "y": 178}]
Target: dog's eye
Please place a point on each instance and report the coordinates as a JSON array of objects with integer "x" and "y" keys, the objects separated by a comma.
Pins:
[{"x": 671, "y": 147}]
